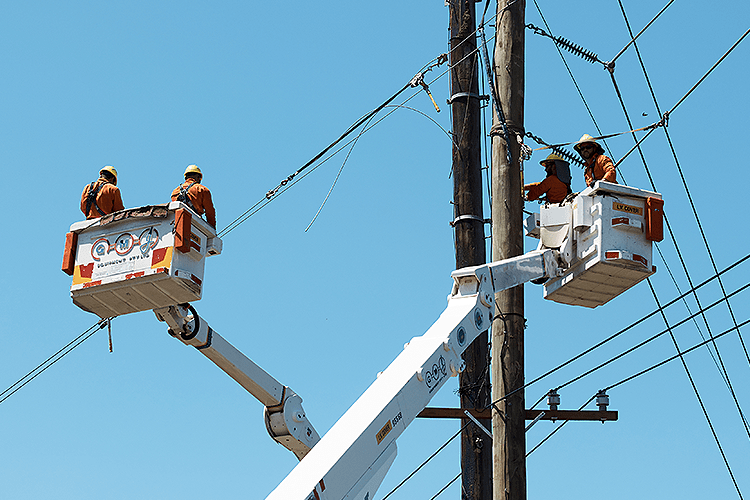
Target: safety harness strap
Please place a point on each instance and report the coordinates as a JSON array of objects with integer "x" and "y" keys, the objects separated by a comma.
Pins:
[
  {"x": 91, "y": 198},
  {"x": 184, "y": 198}
]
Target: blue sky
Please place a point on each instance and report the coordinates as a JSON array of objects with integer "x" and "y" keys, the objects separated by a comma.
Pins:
[{"x": 250, "y": 92}]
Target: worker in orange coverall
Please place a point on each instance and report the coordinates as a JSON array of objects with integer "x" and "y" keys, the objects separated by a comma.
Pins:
[
  {"x": 195, "y": 195},
  {"x": 598, "y": 166},
  {"x": 102, "y": 196},
  {"x": 556, "y": 186}
]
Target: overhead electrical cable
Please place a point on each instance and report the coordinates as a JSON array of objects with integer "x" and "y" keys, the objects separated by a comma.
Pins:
[
  {"x": 634, "y": 38},
  {"x": 680, "y": 355},
  {"x": 367, "y": 117},
  {"x": 578, "y": 88},
  {"x": 653, "y": 337},
  {"x": 611, "y": 71},
  {"x": 624, "y": 330},
  {"x": 270, "y": 194},
  {"x": 295, "y": 177},
  {"x": 666, "y": 115},
  {"x": 684, "y": 182},
  {"x": 672, "y": 358},
  {"x": 689, "y": 310},
  {"x": 679, "y": 252},
  {"x": 338, "y": 174},
  {"x": 290, "y": 180},
  {"x": 440, "y": 492},
  {"x": 354, "y": 142},
  {"x": 557, "y": 428},
  {"x": 441, "y": 448},
  {"x": 52, "y": 359}
]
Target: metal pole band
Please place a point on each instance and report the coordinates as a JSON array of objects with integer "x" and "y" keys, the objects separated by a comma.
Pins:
[
  {"x": 463, "y": 218},
  {"x": 462, "y": 95}
]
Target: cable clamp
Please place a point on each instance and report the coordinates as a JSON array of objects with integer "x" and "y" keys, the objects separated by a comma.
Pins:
[
  {"x": 497, "y": 131},
  {"x": 419, "y": 80},
  {"x": 664, "y": 122},
  {"x": 462, "y": 95},
  {"x": 462, "y": 218},
  {"x": 526, "y": 150}
]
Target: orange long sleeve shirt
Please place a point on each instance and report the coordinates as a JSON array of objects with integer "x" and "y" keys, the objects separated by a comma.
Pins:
[
  {"x": 553, "y": 187},
  {"x": 600, "y": 168},
  {"x": 200, "y": 197},
  {"x": 108, "y": 199}
]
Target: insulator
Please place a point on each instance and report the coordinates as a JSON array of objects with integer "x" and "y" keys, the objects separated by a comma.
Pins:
[
  {"x": 602, "y": 400},
  {"x": 567, "y": 155},
  {"x": 577, "y": 49},
  {"x": 553, "y": 400}
]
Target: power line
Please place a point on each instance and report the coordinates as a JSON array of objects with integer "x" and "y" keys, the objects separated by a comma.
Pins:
[
  {"x": 669, "y": 113},
  {"x": 445, "y": 487},
  {"x": 679, "y": 253},
  {"x": 633, "y": 38},
  {"x": 292, "y": 178},
  {"x": 680, "y": 354},
  {"x": 684, "y": 266},
  {"x": 399, "y": 485},
  {"x": 41, "y": 367},
  {"x": 672, "y": 358},
  {"x": 652, "y": 338},
  {"x": 627, "y": 328},
  {"x": 689, "y": 310},
  {"x": 682, "y": 177},
  {"x": 557, "y": 428},
  {"x": 364, "y": 119}
]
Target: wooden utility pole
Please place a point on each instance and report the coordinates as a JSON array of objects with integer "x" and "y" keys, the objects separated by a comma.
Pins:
[
  {"x": 508, "y": 421},
  {"x": 476, "y": 447}
]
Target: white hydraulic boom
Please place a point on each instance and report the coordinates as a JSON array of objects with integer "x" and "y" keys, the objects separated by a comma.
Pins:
[
  {"x": 285, "y": 419},
  {"x": 592, "y": 248},
  {"x": 351, "y": 460}
]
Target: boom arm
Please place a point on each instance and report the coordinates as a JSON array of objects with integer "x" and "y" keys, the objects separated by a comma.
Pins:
[
  {"x": 351, "y": 460},
  {"x": 285, "y": 419}
]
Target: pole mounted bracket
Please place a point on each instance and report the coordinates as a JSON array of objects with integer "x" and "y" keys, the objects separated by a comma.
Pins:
[
  {"x": 464, "y": 218},
  {"x": 467, "y": 95}
]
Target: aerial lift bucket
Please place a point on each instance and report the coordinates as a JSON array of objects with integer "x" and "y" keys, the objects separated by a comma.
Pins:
[
  {"x": 138, "y": 259},
  {"x": 605, "y": 237}
]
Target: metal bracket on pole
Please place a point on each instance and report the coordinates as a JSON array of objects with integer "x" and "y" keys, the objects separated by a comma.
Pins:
[
  {"x": 478, "y": 423},
  {"x": 538, "y": 417},
  {"x": 462, "y": 218},
  {"x": 466, "y": 95}
]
